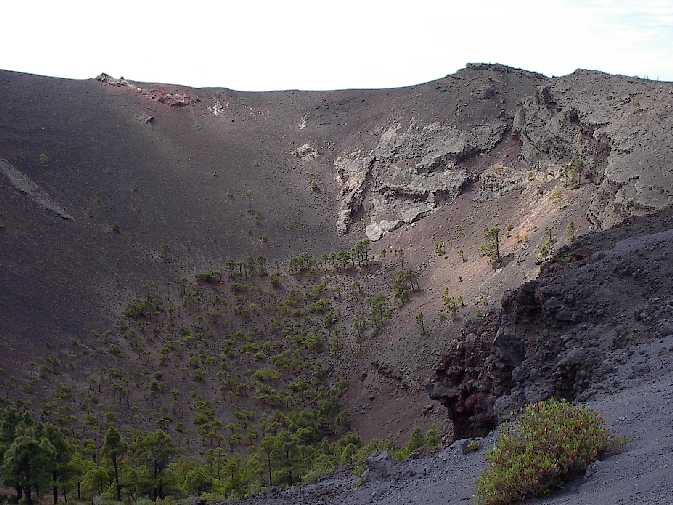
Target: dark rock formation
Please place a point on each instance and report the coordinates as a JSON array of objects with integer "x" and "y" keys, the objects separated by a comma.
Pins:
[{"x": 563, "y": 333}]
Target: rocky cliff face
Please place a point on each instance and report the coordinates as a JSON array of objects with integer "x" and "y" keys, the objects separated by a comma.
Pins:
[
  {"x": 616, "y": 129},
  {"x": 564, "y": 333},
  {"x": 611, "y": 131},
  {"x": 419, "y": 161},
  {"x": 409, "y": 172}
]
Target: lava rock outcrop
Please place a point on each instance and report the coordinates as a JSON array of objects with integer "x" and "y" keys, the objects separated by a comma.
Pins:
[
  {"x": 409, "y": 172},
  {"x": 616, "y": 128},
  {"x": 563, "y": 334}
]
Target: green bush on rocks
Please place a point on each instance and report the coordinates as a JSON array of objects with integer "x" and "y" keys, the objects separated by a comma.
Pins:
[{"x": 552, "y": 442}]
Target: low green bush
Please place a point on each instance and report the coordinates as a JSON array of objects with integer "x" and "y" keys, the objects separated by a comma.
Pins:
[
  {"x": 552, "y": 442},
  {"x": 139, "y": 309},
  {"x": 472, "y": 446}
]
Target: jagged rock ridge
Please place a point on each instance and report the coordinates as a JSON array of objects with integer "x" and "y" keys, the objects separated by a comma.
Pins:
[{"x": 615, "y": 129}]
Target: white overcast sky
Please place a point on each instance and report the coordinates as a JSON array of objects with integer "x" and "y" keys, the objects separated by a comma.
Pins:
[{"x": 320, "y": 44}]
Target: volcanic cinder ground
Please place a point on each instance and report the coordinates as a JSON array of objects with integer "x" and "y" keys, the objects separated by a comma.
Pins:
[{"x": 112, "y": 188}]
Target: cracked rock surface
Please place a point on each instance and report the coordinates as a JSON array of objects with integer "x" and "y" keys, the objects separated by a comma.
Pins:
[
  {"x": 618, "y": 127},
  {"x": 615, "y": 129},
  {"x": 409, "y": 172}
]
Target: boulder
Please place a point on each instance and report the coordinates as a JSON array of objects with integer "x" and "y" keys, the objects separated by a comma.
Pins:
[
  {"x": 379, "y": 466},
  {"x": 111, "y": 81}
]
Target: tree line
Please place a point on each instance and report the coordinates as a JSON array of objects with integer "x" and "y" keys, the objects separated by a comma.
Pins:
[{"x": 38, "y": 458}]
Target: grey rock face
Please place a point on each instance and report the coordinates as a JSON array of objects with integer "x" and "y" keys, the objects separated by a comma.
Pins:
[
  {"x": 615, "y": 131},
  {"x": 352, "y": 175},
  {"x": 618, "y": 128},
  {"x": 408, "y": 173}
]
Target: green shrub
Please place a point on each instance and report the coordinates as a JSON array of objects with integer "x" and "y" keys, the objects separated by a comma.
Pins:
[
  {"x": 311, "y": 342},
  {"x": 546, "y": 247},
  {"x": 301, "y": 264},
  {"x": 556, "y": 195},
  {"x": 250, "y": 348},
  {"x": 360, "y": 253},
  {"x": 491, "y": 248},
  {"x": 319, "y": 306},
  {"x": 552, "y": 442},
  {"x": 379, "y": 311},
  {"x": 572, "y": 174},
  {"x": 404, "y": 284},
  {"x": 472, "y": 446},
  {"x": 428, "y": 441},
  {"x": 452, "y": 304},
  {"x": 321, "y": 466},
  {"x": 276, "y": 281},
  {"x": 266, "y": 374},
  {"x": 139, "y": 309},
  {"x": 359, "y": 457},
  {"x": 115, "y": 350}
]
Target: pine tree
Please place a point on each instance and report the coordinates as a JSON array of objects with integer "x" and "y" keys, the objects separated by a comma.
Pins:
[
  {"x": 379, "y": 311},
  {"x": 113, "y": 449},
  {"x": 28, "y": 462},
  {"x": 94, "y": 480},
  {"x": 155, "y": 450},
  {"x": 360, "y": 252},
  {"x": 491, "y": 248},
  {"x": 61, "y": 459},
  {"x": 268, "y": 445}
]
